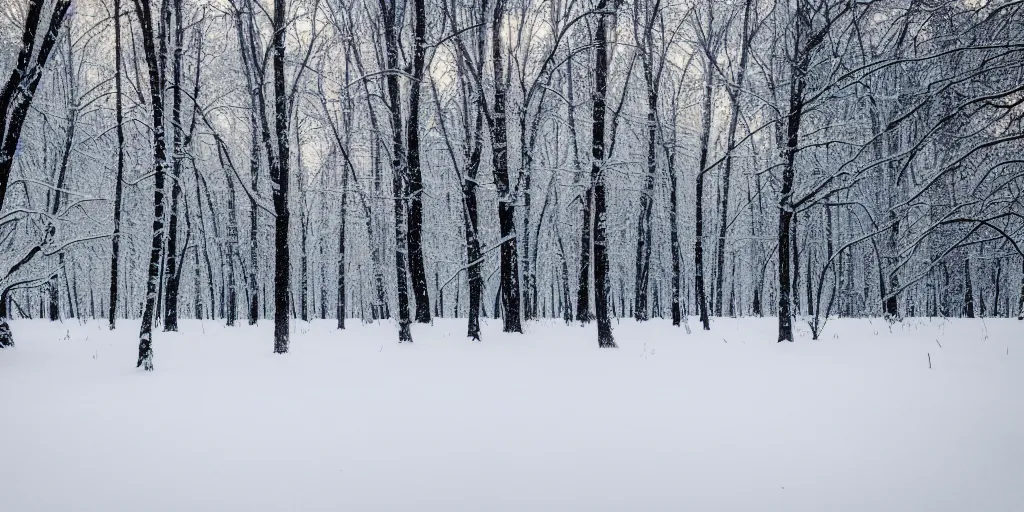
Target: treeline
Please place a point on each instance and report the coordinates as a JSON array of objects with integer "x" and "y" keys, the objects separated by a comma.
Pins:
[{"x": 518, "y": 159}]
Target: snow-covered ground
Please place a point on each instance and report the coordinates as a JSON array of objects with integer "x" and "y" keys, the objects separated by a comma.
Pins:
[{"x": 727, "y": 420}]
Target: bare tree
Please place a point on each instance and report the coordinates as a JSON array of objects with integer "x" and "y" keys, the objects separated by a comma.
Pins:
[
  {"x": 604, "y": 325},
  {"x": 153, "y": 63},
  {"x": 279, "y": 178}
]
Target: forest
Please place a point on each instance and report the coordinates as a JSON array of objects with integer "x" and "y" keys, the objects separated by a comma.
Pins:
[{"x": 256, "y": 161}]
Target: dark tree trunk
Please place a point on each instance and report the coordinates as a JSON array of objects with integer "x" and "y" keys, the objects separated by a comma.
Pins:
[
  {"x": 982, "y": 303},
  {"x": 173, "y": 272},
  {"x": 160, "y": 281},
  {"x": 439, "y": 302},
  {"x": 997, "y": 275},
  {"x": 809, "y": 283},
  {"x": 1020, "y": 300},
  {"x": 496, "y": 309},
  {"x": 303, "y": 258},
  {"x": 564, "y": 304},
  {"x": 473, "y": 256},
  {"x": 342, "y": 312},
  {"x": 92, "y": 302},
  {"x": 698, "y": 242},
  {"x": 197, "y": 291},
  {"x": 115, "y": 240},
  {"x": 673, "y": 220},
  {"x": 417, "y": 268},
  {"x": 323, "y": 281},
  {"x": 400, "y": 182},
  {"x": 230, "y": 251},
  {"x": 256, "y": 115},
  {"x": 24, "y": 79},
  {"x": 586, "y": 245},
  {"x": 506, "y": 202},
  {"x": 200, "y": 183},
  {"x": 786, "y": 207},
  {"x": 644, "y": 239},
  {"x": 968, "y": 290},
  {"x": 732, "y": 291},
  {"x": 891, "y": 305},
  {"x": 52, "y": 292},
  {"x": 586, "y": 200},
  {"x": 279, "y": 176},
  {"x": 785, "y": 222},
  {"x": 604, "y": 324},
  {"x": 254, "y": 164},
  {"x": 656, "y": 300},
  {"x": 474, "y": 152},
  {"x": 795, "y": 266},
  {"x": 755, "y": 216},
  {"x": 142, "y": 8},
  {"x": 804, "y": 46}
]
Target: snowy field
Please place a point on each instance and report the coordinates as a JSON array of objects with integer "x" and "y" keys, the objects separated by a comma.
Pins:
[{"x": 726, "y": 420}]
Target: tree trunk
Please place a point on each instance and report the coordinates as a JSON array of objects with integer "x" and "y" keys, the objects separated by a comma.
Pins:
[
  {"x": 254, "y": 164},
  {"x": 473, "y": 257},
  {"x": 674, "y": 249},
  {"x": 586, "y": 199},
  {"x": 200, "y": 183},
  {"x": 53, "y": 301},
  {"x": 891, "y": 305},
  {"x": 279, "y": 177},
  {"x": 604, "y": 324},
  {"x": 698, "y": 242},
  {"x": 400, "y": 182},
  {"x": 197, "y": 291},
  {"x": 734, "y": 115},
  {"x": 506, "y": 202},
  {"x": 303, "y": 259},
  {"x": 1020, "y": 300},
  {"x": 231, "y": 251},
  {"x": 417, "y": 268},
  {"x": 342, "y": 312},
  {"x": 55, "y": 198},
  {"x": 256, "y": 115},
  {"x": 24, "y": 79},
  {"x": 565, "y": 305},
  {"x": 786, "y": 207},
  {"x": 115, "y": 240},
  {"x": 586, "y": 245},
  {"x": 145, "y": 359},
  {"x": 644, "y": 240},
  {"x": 997, "y": 275},
  {"x": 968, "y": 290},
  {"x": 173, "y": 272}
]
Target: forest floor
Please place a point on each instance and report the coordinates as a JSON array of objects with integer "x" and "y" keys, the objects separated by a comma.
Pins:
[{"x": 726, "y": 420}]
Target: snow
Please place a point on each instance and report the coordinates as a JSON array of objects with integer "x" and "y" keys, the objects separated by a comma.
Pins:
[{"x": 726, "y": 420}]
